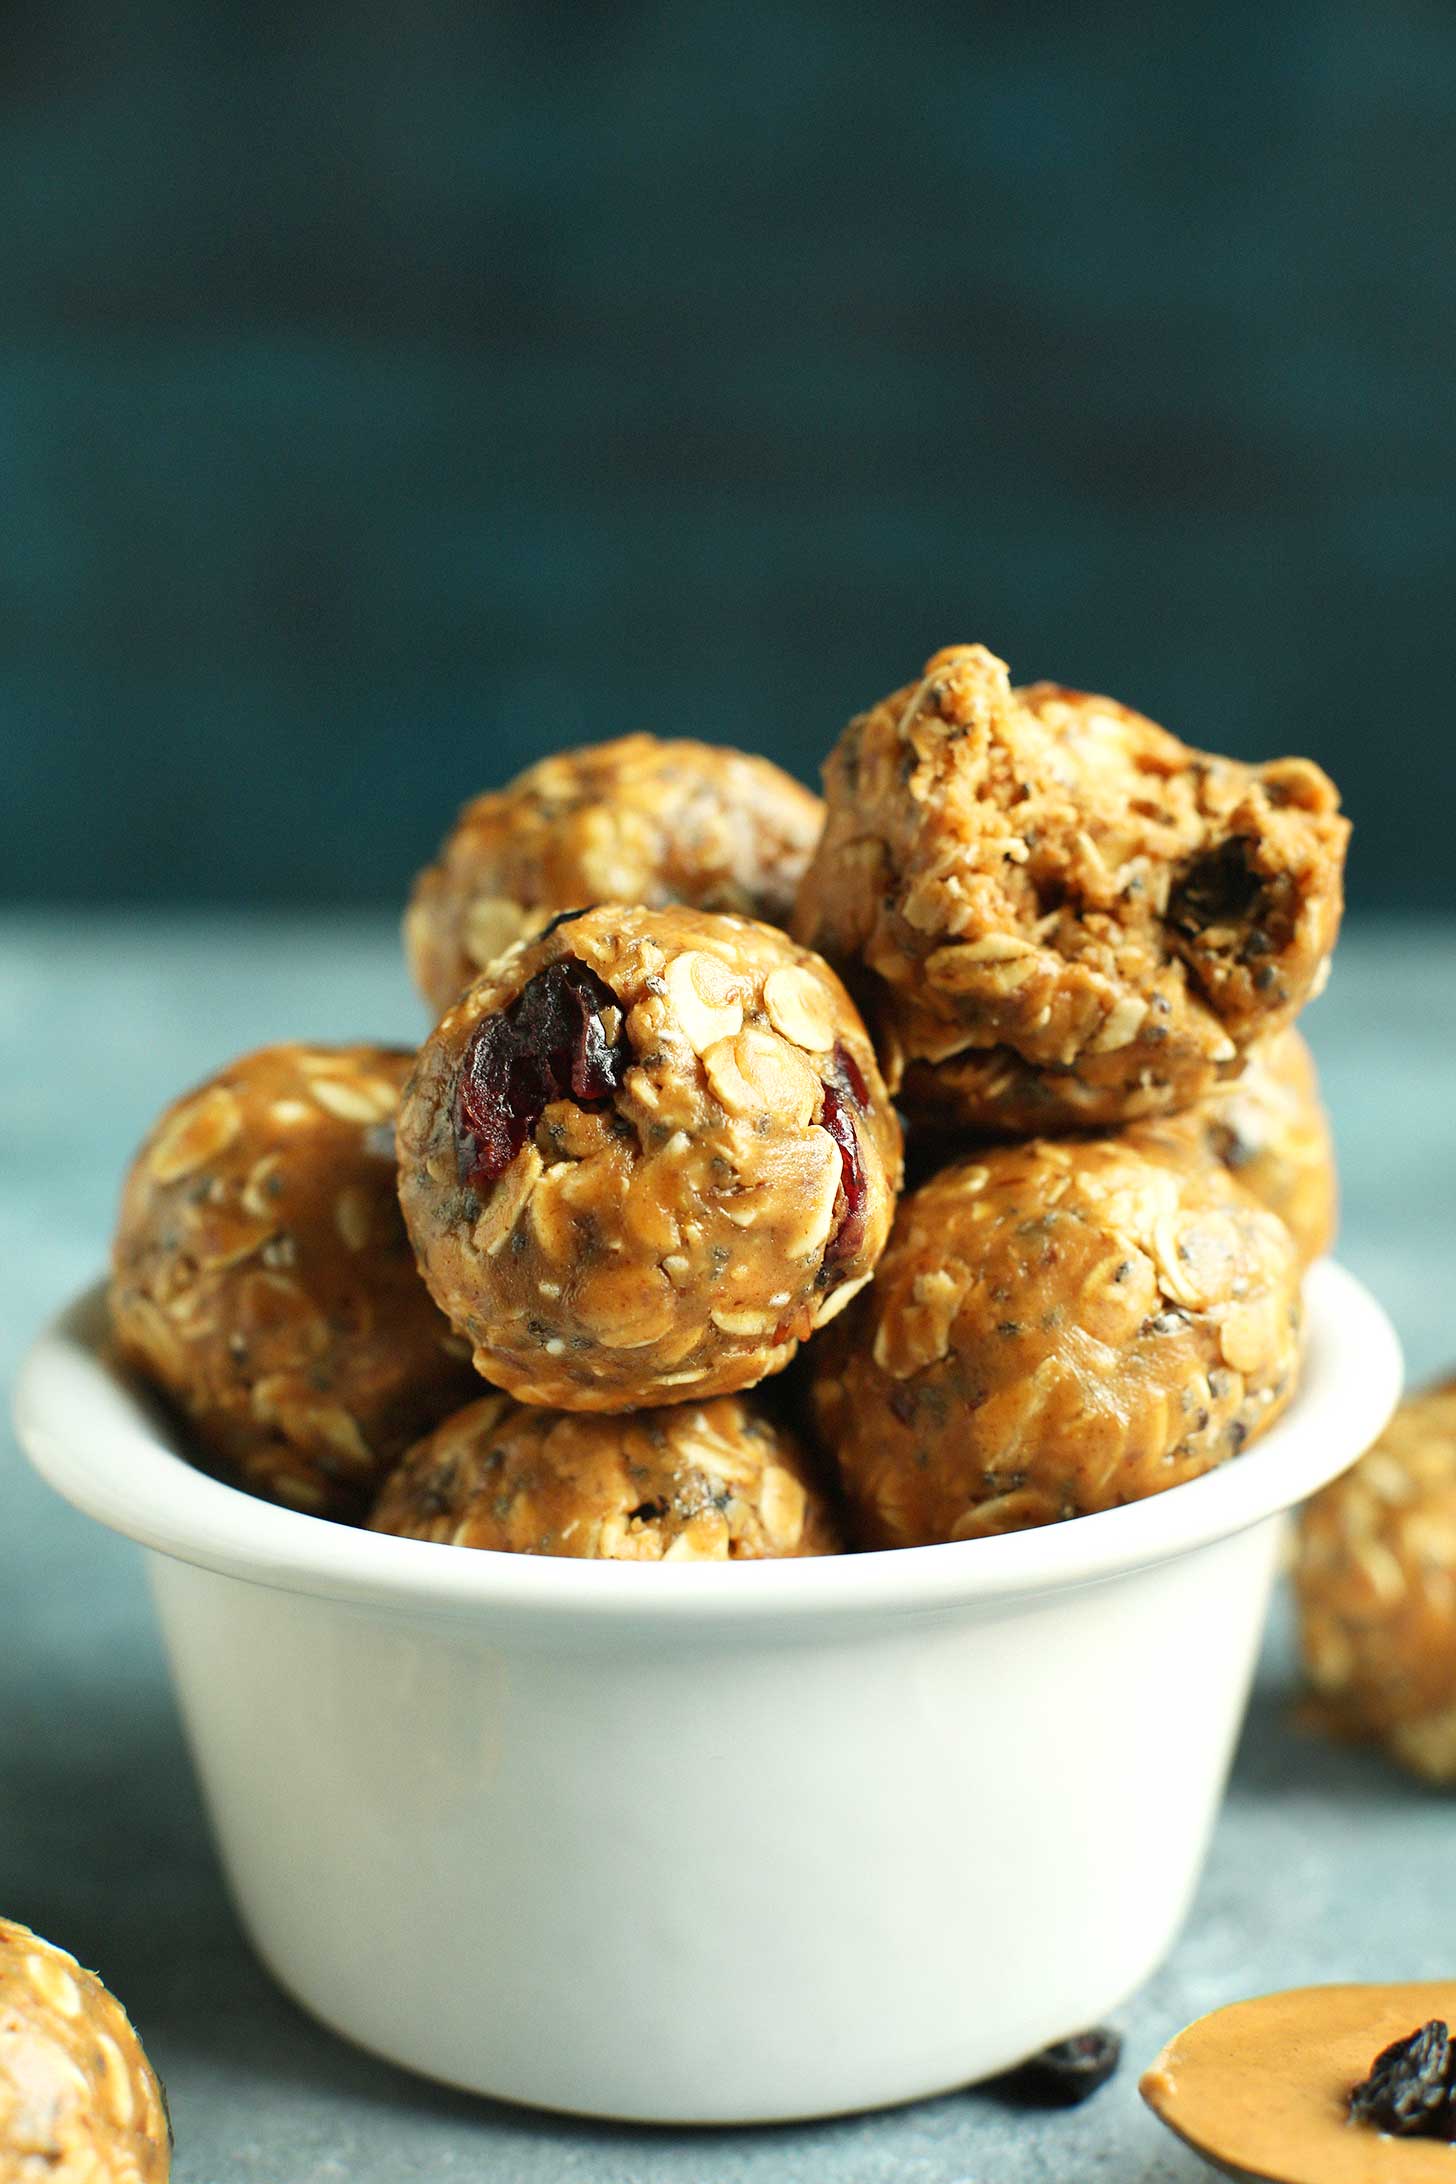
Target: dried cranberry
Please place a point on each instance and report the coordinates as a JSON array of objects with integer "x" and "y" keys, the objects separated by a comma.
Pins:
[
  {"x": 848, "y": 1068},
  {"x": 550, "y": 1044},
  {"x": 840, "y": 1102}
]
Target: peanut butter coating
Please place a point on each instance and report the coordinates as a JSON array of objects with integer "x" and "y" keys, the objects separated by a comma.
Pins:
[
  {"x": 1057, "y": 915},
  {"x": 79, "y": 2102},
  {"x": 1056, "y": 1327},
  {"x": 680, "y": 1239},
  {"x": 1261, "y": 2089},
  {"x": 635, "y": 820},
  {"x": 1269, "y": 1128},
  {"x": 1375, "y": 1579},
  {"x": 263, "y": 1280},
  {"x": 696, "y": 1482}
]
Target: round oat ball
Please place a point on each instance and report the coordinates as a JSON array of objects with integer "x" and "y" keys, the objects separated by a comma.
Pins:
[
  {"x": 263, "y": 1281},
  {"x": 645, "y": 1156},
  {"x": 79, "y": 2102},
  {"x": 1058, "y": 915},
  {"x": 1055, "y": 1328},
  {"x": 696, "y": 1482},
  {"x": 637, "y": 820},
  {"x": 1269, "y": 1128},
  {"x": 1375, "y": 1578}
]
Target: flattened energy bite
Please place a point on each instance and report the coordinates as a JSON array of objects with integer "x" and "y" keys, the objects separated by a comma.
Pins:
[
  {"x": 79, "y": 2102},
  {"x": 1056, "y": 1328},
  {"x": 263, "y": 1280},
  {"x": 697, "y": 1482},
  {"x": 1375, "y": 1578},
  {"x": 1269, "y": 1128},
  {"x": 645, "y": 1156},
  {"x": 637, "y": 820},
  {"x": 1058, "y": 915}
]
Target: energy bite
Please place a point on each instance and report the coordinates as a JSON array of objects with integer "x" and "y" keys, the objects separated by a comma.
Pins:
[
  {"x": 263, "y": 1280},
  {"x": 696, "y": 1482},
  {"x": 1055, "y": 1328},
  {"x": 79, "y": 2102},
  {"x": 645, "y": 1156},
  {"x": 1058, "y": 915},
  {"x": 1375, "y": 1579},
  {"x": 1269, "y": 1128},
  {"x": 637, "y": 820}
]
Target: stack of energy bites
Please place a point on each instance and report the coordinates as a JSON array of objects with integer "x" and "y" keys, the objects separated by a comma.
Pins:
[{"x": 651, "y": 1150}]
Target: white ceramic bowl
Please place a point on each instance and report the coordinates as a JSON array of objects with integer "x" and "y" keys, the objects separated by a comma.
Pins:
[{"x": 723, "y": 1843}]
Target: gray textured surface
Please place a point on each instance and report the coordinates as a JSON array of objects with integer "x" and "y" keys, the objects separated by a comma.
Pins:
[{"x": 1324, "y": 1862}]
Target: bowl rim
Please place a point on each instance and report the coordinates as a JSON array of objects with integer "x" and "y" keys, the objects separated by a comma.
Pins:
[{"x": 98, "y": 1442}]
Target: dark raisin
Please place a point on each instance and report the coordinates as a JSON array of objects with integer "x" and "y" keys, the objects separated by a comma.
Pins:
[
  {"x": 647, "y": 1512},
  {"x": 1219, "y": 888},
  {"x": 841, "y": 1098},
  {"x": 903, "y": 1403},
  {"x": 1408, "y": 2093},
  {"x": 550, "y": 1044},
  {"x": 1232, "y": 1149},
  {"x": 564, "y": 917},
  {"x": 436, "y": 1494},
  {"x": 1067, "y": 2073}
]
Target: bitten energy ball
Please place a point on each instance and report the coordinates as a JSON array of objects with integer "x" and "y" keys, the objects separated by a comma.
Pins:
[
  {"x": 697, "y": 1482},
  {"x": 1059, "y": 915},
  {"x": 1375, "y": 1577},
  {"x": 262, "y": 1277},
  {"x": 79, "y": 2102},
  {"x": 645, "y": 1156},
  {"x": 1056, "y": 1328},
  {"x": 1269, "y": 1128},
  {"x": 637, "y": 820}
]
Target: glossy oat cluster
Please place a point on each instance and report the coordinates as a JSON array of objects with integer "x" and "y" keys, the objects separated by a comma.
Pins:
[
  {"x": 650, "y": 1151},
  {"x": 263, "y": 1279},
  {"x": 639, "y": 820},
  {"x": 717, "y": 1182},
  {"x": 1057, "y": 1326},
  {"x": 694, "y": 1482},
  {"x": 1375, "y": 1577},
  {"x": 79, "y": 2101}
]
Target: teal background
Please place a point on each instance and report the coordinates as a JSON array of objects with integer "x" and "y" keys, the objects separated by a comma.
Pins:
[{"x": 388, "y": 394}]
